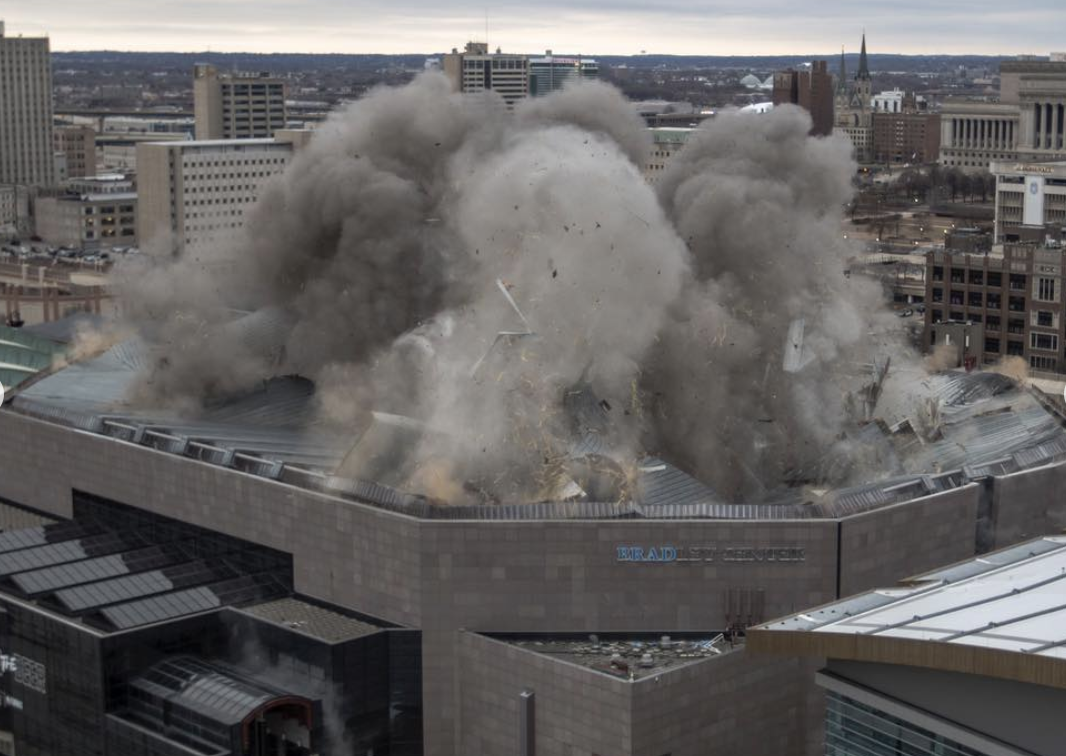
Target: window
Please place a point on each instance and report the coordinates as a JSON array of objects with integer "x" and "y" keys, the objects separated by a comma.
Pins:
[
  {"x": 1046, "y": 290},
  {"x": 1039, "y": 362},
  {"x": 1045, "y": 319},
  {"x": 1048, "y": 341}
]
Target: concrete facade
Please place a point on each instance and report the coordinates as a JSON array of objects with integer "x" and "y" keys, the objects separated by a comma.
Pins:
[
  {"x": 91, "y": 221},
  {"x": 477, "y": 70},
  {"x": 26, "y": 150},
  {"x": 1030, "y": 201},
  {"x": 78, "y": 144},
  {"x": 194, "y": 195},
  {"x": 237, "y": 105},
  {"x": 700, "y": 709},
  {"x": 972, "y": 135}
]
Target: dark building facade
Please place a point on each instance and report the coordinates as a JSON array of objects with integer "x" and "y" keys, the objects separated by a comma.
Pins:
[
  {"x": 812, "y": 90},
  {"x": 472, "y": 600},
  {"x": 132, "y": 634},
  {"x": 912, "y": 138}
]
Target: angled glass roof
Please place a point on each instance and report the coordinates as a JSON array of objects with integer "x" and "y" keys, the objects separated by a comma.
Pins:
[{"x": 209, "y": 689}]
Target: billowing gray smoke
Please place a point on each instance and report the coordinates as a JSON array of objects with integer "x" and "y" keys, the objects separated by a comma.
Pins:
[
  {"x": 419, "y": 224},
  {"x": 759, "y": 205}
]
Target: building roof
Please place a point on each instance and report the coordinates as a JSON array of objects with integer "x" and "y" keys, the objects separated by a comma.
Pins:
[
  {"x": 1004, "y": 609},
  {"x": 312, "y": 619},
  {"x": 627, "y": 656},
  {"x": 110, "y": 571},
  {"x": 985, "y": 425},
  {"x": 24, "y": 354},
  {"x": 208, "y": 688}
]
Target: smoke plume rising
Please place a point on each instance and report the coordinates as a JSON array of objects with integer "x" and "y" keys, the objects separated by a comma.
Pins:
[{"x": 513, "y": 283}]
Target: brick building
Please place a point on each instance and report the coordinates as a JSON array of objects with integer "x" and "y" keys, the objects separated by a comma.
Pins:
[
  {"x": 906, "y": 137},
  {"x": 1015, "y": 293},
  {"x": 812, "y": 90}
]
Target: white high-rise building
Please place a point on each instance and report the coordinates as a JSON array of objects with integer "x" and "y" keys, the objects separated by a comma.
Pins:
[
  {"x": 477, "y": 70},
  {"x": 193, "y": 196},
  {"x": 26, "y": 150}
]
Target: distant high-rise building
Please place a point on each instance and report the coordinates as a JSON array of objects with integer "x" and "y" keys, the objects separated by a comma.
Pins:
[
  {"x": 193, "y": 195},
  {"x": 553, "y": 72},
  {"x": 26, "y": 150},
  {"x": 812, "y": 90},
  {"x": 78, "y": 144},
  {"x": 477, "y": 70},
  {"x": 237, "y": 105}
]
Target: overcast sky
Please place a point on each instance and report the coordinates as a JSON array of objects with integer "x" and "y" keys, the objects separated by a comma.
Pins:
[{"x": 623, "y": 27}]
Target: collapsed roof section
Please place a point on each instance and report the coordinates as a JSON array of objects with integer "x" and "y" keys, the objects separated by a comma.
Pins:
[{"x": 932, "y": 433}]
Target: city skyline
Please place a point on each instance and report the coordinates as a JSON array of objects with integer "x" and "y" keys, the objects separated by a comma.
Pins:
[{"x": 605, "y": 27}]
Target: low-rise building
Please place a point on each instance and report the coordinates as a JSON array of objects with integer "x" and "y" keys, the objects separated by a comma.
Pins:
[
  {"x": 969, "y": 659},
  {"x": 15, "y": 217},
  {"x": 88, "y": 221}
]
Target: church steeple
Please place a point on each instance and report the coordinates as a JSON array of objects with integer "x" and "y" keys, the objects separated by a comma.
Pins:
[
  {"x": 864, "y": 69},
  {"x": 842, "y": 77}
]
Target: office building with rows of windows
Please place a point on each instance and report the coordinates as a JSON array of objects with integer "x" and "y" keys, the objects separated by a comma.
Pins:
[
  {"x": 1009, "y": 300},
  {"x": 193, "y": 195},
  {"x": 237, "y": 105},
  {"x": 477, "y": 70},
  {"x": 26, "y": 152}
]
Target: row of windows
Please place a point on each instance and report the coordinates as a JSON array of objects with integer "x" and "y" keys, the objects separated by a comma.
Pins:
[
  {"x": 854, "y": 729},
  {"x": 232, "y": 162}
]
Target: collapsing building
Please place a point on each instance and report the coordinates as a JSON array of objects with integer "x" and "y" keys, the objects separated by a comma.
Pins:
[
  {"x": 231, "y": 551},
  {"x": 520, "y": 464}
]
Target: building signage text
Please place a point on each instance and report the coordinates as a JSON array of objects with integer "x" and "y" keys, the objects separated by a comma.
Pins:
[
  {"x": 662, "y": 553},
  {"x": 1028, "y": 168}
]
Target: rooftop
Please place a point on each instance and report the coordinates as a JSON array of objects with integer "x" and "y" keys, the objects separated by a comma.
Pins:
[
  {"x": 1012, "y": 600},
  {"x": 113, "y": 568},
  {"x": 985, "y": 424},
  {"x": 626, "y": 656},
  {"x": 311, "y": 619}
]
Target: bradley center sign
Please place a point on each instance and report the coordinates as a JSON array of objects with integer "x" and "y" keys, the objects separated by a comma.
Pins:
[{"x": 665, "y": 553}]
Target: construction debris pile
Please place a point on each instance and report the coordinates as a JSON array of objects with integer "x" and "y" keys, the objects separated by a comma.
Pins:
[
  {"x": 497, "y": 307},
  {"x": 631, "y": 658}
]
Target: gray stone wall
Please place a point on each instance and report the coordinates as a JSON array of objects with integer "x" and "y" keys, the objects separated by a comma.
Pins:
[
  {"x": 732, "y": 704},
  {"x": 578, "y": 712},
  {"x": 1029, "y": 504},
  {"x": 881, "y": 547},
  {"x": 346, "y": 553},
  {"x": 443, "y": 576}
]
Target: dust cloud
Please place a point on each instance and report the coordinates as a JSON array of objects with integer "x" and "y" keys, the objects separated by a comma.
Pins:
[{"x": 512, "y": 283}]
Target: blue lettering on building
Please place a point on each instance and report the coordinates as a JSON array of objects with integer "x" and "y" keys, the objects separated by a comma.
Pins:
[{"x": 647, "y": 554}]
